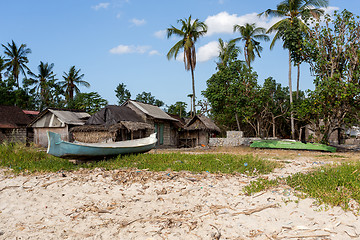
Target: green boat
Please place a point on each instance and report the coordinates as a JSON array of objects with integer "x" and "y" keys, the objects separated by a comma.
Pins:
[{"x": 286, "y": 144}]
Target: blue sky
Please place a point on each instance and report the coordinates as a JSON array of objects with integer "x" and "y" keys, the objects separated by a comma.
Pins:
[{"x": 124, "y": 41}]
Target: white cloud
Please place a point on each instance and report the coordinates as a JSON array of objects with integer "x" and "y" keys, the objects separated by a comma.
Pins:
[
  {"x": 208, "y": 51},
  {"x": 204, "y": 53},
  {"x": 154, "y": 52},
  {"x": 138, "y": 22},
  {"x": 223, "y": 22},
  {"x": 101, "y": 5},
  {"x": 118, "y": 15},
  {"x": 160, "y": 34},
  {"x": 125, "y": 49},
  {"x": 330, "y": 10}
]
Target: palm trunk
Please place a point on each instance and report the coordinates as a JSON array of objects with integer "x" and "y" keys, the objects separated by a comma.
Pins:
[
  {"x": 237, "y": 121},
  {"x": 193, "y": 87},
  {"x": 291, "y": 100},
  {"x": 298, "y": 81}
]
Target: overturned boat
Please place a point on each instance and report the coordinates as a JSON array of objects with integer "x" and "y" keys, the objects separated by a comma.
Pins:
[
  {"x": 292, "y": 144},
  {"x": 64, "y": 149}
]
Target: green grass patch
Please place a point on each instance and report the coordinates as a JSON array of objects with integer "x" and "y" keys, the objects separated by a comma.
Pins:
[
  {"x": 259, "y": 185},
  {"x": 333, "y": 185},
  {"x": 27, "y": 159},
  {"x": 212, "y": 163},
  {"x": 20, "y": 158}
]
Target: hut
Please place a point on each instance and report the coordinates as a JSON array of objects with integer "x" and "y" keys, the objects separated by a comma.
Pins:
[
  {"x": 197, "y": 131},
  {"x": 56, "y": 120},
  {"x": 112, "y": 124},
  {"x": 160, "y": 120},
  {"x": 13, "y": 125}
]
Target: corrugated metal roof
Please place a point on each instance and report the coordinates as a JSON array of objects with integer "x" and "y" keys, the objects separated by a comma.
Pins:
[
  {"x": 152, "y": 111},
  {"x": 68, "y": 117}
]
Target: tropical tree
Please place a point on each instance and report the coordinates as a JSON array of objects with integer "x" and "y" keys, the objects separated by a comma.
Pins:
[
  {"x": 122, "y": 93},
  {"x": 179, "y": 108},
  {"x": 90, "y": 102},
  {"x": 190, "y": 32},
  {"x": 71, "y": 80},
  {"x": 2, "y": 67},
  {"x": 42, "y": 82},
  {"x": 291, "y": 11},
  {"x": 228, "y": 51},
  {"x": 16, "y": 60},
  {"x": 250, "y": 34},
  {"x": 146, "y": 97},
  {"x": 333, "y": 52}
]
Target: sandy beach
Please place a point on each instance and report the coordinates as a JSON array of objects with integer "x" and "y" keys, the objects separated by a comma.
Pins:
[{"x": 139, "y": 204}]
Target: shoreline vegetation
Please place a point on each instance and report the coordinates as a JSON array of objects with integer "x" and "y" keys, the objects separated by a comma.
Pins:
[{"x": 336, "y": 184}]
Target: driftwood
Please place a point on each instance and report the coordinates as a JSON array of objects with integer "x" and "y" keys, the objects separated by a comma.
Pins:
[{"x": 254, "y": 210}]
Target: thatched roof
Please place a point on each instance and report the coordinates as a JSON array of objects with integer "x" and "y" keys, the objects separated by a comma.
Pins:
[
  {"x": 13, "y": 117},
  {"x": 131, "y": 126},
  {"x": 201, "y": 123},
  {"x": 113, "y": 114}
]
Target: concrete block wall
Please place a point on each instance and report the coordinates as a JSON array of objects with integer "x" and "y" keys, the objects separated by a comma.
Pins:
[{"x": 233, "y": 139}]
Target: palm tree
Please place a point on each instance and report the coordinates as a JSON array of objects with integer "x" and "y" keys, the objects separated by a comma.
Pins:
[
  {"x": 250, "y": 34},
  {"x": 16, "y": 59},
  {"x": 71, "y": 80},
  {"x": 43, "y": 81},
  {"x": 227, "y": 52},
  {"x": 190, "y": 32},
  {"x": 293, "y": 11},
  {"x": 2, "y": 67}
]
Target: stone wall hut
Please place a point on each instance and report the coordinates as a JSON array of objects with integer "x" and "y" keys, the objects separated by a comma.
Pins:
[
  {"x": 198, "y": 131},
  {"x": 13, "y": 125},
  {"x": 160, "y": 120},
  {"x": 112, "y": 124},
  {"x": 58, "y": 121}
]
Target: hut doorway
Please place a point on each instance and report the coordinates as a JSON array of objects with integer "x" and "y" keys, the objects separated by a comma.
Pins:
[{"x": 159, "y": 130}]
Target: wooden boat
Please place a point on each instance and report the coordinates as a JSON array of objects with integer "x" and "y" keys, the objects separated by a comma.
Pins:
[
  {"x": 286, "y": 144},
  {"x": 64, "y": 149}
]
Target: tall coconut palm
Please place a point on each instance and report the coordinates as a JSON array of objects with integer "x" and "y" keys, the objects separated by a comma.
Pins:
[
  {"x": 190, "y": 32},
  {"x": 291, "y": 10},
  {"x": 71, "y": 80},
  {"x": 250, "y": 34},
  {"x": 16, "y": 59},
  {"x": 43, "y": 81},
  {"x": 227, "y": 52}
]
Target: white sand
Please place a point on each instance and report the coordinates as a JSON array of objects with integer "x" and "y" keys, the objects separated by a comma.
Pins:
[{"x": 168, "y": 205}]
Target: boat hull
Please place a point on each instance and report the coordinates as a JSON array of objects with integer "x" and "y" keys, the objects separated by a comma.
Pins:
[
  {"x": 279, "y": 144},
  {"x": 64, "y": 149}
]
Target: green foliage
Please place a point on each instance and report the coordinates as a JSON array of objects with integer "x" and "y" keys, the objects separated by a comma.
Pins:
[
  {"x": 179, "y": 108},
  {"x": 190, "y": 32},
  {"x": 335, "y": 185},
  {"x": 71, "y": 80},
  {"x": 89, "y": 102},
  {"x": 27, "y": 159},
  {"x": 228, "y": 52},
  {"x": 333, "y": 53},
  {"x": 213, "y": 163},
  {"x": 146, "y": 97},
  {"x": 12, "y": 96},
  {"x": 20, "y": 158},
  {"x": 45, "y": 88},
  {"x": 259, "y": 185},
  {"x": 122, "y": 93},
  {"x": 16, "y": 60},
  {"x": 250, "y": 34},
  {"x": 234, "y": 95}
]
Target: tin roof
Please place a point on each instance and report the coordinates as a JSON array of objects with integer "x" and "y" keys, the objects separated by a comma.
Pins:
[{"x": 151, "y": 110}]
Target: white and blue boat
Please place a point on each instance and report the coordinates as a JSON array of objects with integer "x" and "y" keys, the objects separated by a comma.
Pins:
[{"x": 64, "y": 149}]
